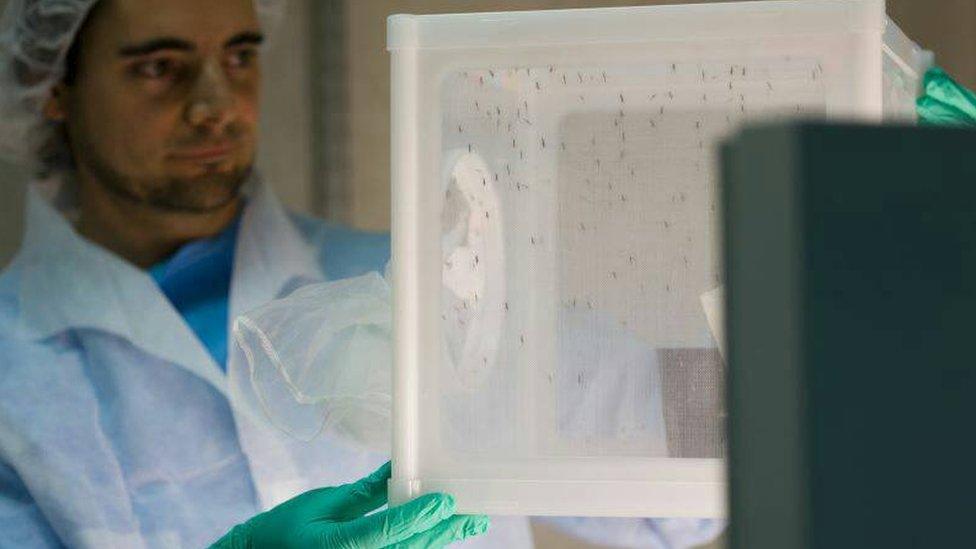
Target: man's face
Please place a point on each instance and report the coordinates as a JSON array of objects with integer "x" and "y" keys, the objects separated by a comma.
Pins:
[{"x": 164, "y": 107}]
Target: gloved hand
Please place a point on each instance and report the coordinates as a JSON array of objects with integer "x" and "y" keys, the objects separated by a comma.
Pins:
[
  {"x": 333, "y": 518},
  {"x": 944, "y": 102}
]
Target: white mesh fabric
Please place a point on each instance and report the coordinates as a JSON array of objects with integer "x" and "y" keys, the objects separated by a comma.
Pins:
[
  {"x": 319, "y": 362},
  {"x": 580, "y": 232}
]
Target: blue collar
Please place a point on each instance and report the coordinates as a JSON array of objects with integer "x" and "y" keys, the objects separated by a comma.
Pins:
[{"x": 196, "y": 280}]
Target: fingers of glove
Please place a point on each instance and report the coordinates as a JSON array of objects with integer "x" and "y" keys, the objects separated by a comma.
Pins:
[
  {"x": 945, "y": 101},
  {"x": 352, "y": 500},
  {"x": 940, "y": 85},
  {"x": 936, "y": 113},
  {"x": 366, "y": 494},
  {"x": 456, "y": 528},
  {"x": 395, "y": 524}
]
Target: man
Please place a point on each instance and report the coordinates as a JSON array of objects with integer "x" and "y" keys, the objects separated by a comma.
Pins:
[
  {"x": 146, "y": 234},
  {"x": 114, "y": 427}
]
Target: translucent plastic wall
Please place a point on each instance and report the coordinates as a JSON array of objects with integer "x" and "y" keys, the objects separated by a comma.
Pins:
[{"x": 556, "y": 236}]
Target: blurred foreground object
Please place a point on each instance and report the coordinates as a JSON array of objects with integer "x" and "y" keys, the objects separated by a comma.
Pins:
[{"x": 851, "y": 275}]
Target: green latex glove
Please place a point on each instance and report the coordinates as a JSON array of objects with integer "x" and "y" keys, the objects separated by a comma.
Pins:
[
  {"x": 944, "y": 102},
  {"x": 334, "y": 518}
]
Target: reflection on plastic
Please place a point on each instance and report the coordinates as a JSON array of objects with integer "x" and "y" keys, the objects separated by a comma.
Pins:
[
  {"x": 713, "y": 303},
  {"x": 474, "y": 263},
  {"x": 319, "y": 361}
]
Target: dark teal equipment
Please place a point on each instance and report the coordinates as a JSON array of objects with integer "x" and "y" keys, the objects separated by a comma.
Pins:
[{"x": 851, "y": 323}]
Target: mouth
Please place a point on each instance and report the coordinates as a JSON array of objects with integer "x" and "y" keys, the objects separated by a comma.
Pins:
[{"x": 204, "y": 154}]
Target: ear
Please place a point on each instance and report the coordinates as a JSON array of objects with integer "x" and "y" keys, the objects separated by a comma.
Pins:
[{"x": 55, "y": 109}]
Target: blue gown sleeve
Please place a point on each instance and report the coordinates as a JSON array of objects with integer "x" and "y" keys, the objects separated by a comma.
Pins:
[
  {"x": 22, "y": 524},
  {"x": 345, "y": 252}
]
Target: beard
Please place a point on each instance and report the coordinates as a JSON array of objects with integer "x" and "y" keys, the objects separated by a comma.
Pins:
[
  {"x": 212, "y": 190},
  {"x": 208, "y": 192}
]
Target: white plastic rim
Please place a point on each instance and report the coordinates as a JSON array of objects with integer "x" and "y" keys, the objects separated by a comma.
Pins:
[{"x": 518, "y": 29}]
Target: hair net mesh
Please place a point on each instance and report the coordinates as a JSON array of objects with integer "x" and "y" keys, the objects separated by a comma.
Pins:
[{"x": 35, "y": 36}]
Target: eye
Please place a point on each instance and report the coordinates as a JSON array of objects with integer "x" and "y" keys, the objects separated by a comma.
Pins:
[
  {"x": 242, "y": 58},
  {"x": 155, "y": 69}
]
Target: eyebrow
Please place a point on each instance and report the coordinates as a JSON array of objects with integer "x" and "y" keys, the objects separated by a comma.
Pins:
[
  {"x": 170, "y": 43},
  {"x": 154, "y": 45},
  {"x": 245, "y": 38}
]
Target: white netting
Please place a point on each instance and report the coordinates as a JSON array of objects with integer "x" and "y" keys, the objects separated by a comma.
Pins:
[
  {"x": 320, "y": 361},
  {"x": 579, "y": 236}
]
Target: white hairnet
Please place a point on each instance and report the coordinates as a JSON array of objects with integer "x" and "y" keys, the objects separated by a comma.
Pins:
[{"x": 35, "y": 36}]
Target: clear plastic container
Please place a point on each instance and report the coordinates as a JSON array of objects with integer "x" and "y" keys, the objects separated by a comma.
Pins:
[{"x": 556, "y": 235}]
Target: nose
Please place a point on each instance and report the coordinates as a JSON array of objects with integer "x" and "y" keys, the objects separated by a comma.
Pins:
[{"x": 210, "y": 101}]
